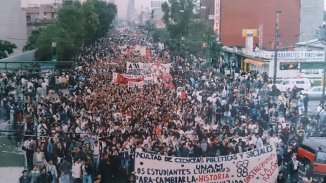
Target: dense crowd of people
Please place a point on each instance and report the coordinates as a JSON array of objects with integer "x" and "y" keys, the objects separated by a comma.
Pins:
[{"x": 81, "y": 127}]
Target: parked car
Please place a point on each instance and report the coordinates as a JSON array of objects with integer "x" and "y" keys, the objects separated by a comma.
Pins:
[
  {"x": 302, "y": 84},
  {"x": 312, "y": 153},
  {"x": 314, "y": 93}
]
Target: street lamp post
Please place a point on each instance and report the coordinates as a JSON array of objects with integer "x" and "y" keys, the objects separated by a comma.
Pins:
[
  {"x": 276, "y": 42},
  {"x": 54, "y": 51},
  {"x": 324, "y": 77},
  {"x": 321, "y": 34}
]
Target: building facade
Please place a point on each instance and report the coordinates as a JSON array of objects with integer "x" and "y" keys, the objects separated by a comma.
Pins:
[
  {"x": 157, "y": 13},
  {"x": 207, "y": 11},
  {"x": 13, "y": 23},
  {"x": 39, "y": 17},
  {"x": 236, "y": 15},
  {"x": 312, "y": 16}
]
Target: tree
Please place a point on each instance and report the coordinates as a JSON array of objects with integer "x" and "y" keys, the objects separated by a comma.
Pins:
[
  {"x": 32, "y": 40},
  {"x": 91, "y": 21},
  {"x": 106, "y": 14},
  {"x": 75, "y": 24},
  {"x": 65, "y": 46},
  {"x": 177, "y": 17},
  {"x": 185, "y": 32},
  {"x": 6, "y": 48},
  {"x": 69, "y": 18}
]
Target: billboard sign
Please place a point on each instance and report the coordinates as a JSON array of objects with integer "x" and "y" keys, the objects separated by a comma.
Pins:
[
  {"x": 217, "y": 16},
  {"x": 301, "y": 56}
]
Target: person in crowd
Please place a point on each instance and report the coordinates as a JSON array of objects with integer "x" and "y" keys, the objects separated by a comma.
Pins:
[
  {"x": 44, "y": 177},
  {"x": 87, "y": 170},
  {"x": 51, "y": 170},
  {"x": 24, "y": 178},
  {"x": 293, "y": 168},
  {"x": 76, "y": 171},
  {"x": 281, "y": 177},
  {"x": 39, "y": 158},
  {"x": 106, "y": 170},
  {"x": 64, "y": 169},
  {"x": 89, "y": 113},
  {"x": 34, "y": 174}
]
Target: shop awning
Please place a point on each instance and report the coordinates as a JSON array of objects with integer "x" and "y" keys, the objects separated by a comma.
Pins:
[{"x": 255, "y": 62}]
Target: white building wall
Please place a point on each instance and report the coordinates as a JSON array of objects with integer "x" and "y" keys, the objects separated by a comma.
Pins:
[
  {"x": 13, "y": 23},
  {"x": 312, "y": 14}
]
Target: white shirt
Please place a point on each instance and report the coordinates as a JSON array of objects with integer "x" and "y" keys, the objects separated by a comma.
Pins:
[
  {"x": 138, "y": 150},
  {"x": 76, "y": 170},
  {"x": 96, "y": 150}
]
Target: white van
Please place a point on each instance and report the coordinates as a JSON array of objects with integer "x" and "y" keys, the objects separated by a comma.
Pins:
[{"x": 301, "y": 83}]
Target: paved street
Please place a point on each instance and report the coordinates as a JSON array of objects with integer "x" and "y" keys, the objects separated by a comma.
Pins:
[
  {"x": 312, "y": 106},
  {"x": 12, "y": 159}
]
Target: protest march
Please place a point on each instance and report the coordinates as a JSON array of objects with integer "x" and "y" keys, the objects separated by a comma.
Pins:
[
  {"x": 131, "y": 112},
  {"x": 258, "y": 165}
]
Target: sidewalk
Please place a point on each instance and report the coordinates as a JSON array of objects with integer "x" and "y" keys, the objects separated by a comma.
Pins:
[
  {"x": 10, "y": 174},
  {"x": 12, "y": 159}
]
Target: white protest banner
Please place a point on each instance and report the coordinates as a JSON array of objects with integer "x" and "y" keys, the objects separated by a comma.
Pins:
[
  {"x": 256, "y": 166},
  {"x": 132, "y": 84},
  {"x": 139, "y": 68},
  {"x": 126, "y": 78},
  {"x": 134, "y": 68},
  {"x": 160, "y": 68}
]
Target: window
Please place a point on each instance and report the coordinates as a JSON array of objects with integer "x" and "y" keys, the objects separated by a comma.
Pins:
[{"x": 321, "y": 157}]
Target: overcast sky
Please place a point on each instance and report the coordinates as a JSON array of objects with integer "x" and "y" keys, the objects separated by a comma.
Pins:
[{"x": 122, "y": 4}]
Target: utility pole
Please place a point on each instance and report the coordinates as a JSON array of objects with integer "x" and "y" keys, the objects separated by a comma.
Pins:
[
  {"x": 321, "y": 34},
  {"x": 276, "y": 42}
]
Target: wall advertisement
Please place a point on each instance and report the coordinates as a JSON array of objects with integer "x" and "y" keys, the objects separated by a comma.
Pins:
[{"x": 301, "y": 56}]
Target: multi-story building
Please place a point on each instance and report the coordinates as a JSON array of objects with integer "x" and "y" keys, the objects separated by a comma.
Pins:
[
  {"x": 298, "y": 20},
  {"x": 131, "y": 14},
  {"x": 38, "y": 17},
  {"x": 207, "y": 11},
  {"x": 157, "y": 13},
  {"x": 13, "y": 23},
  {"x": 311, "y": 17}
]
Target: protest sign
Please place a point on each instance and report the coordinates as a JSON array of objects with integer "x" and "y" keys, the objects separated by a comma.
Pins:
[
  {"x": 124, "y": 79},
  {"x": 256, "y": 166},
  {"x": 167, "y": 81},
  {"x": 140, "y": 68},
  {"x": 134, "y": 80},
  {"x": 132, "y": 84}
]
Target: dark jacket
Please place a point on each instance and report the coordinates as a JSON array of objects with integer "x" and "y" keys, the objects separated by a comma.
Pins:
[
  {"x": 43, "y": 178},
  {"x": 291, "y": 168},
  {"x": 281, "y": 179},
  {"x": 106, "y": 171},
  {"x": 24, "y": 179}
]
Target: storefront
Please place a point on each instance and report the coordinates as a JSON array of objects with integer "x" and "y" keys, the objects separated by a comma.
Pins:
[{"x": 249, "y": 64}]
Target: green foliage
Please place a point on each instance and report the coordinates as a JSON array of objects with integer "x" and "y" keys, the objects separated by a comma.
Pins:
[
  {"x": 6, "y": 48},
  {"x": 160, "y": 35},
  {"x": 65, "y": 47},
  {"x": 106, "y": 14},
  {"x": 185, "y": 33},
  {"x": 32, "y": 40},
  {"x": 76, "y": 23},
  {"x": 69, "y": 18},
  {"x": 177, "y": 17}
]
